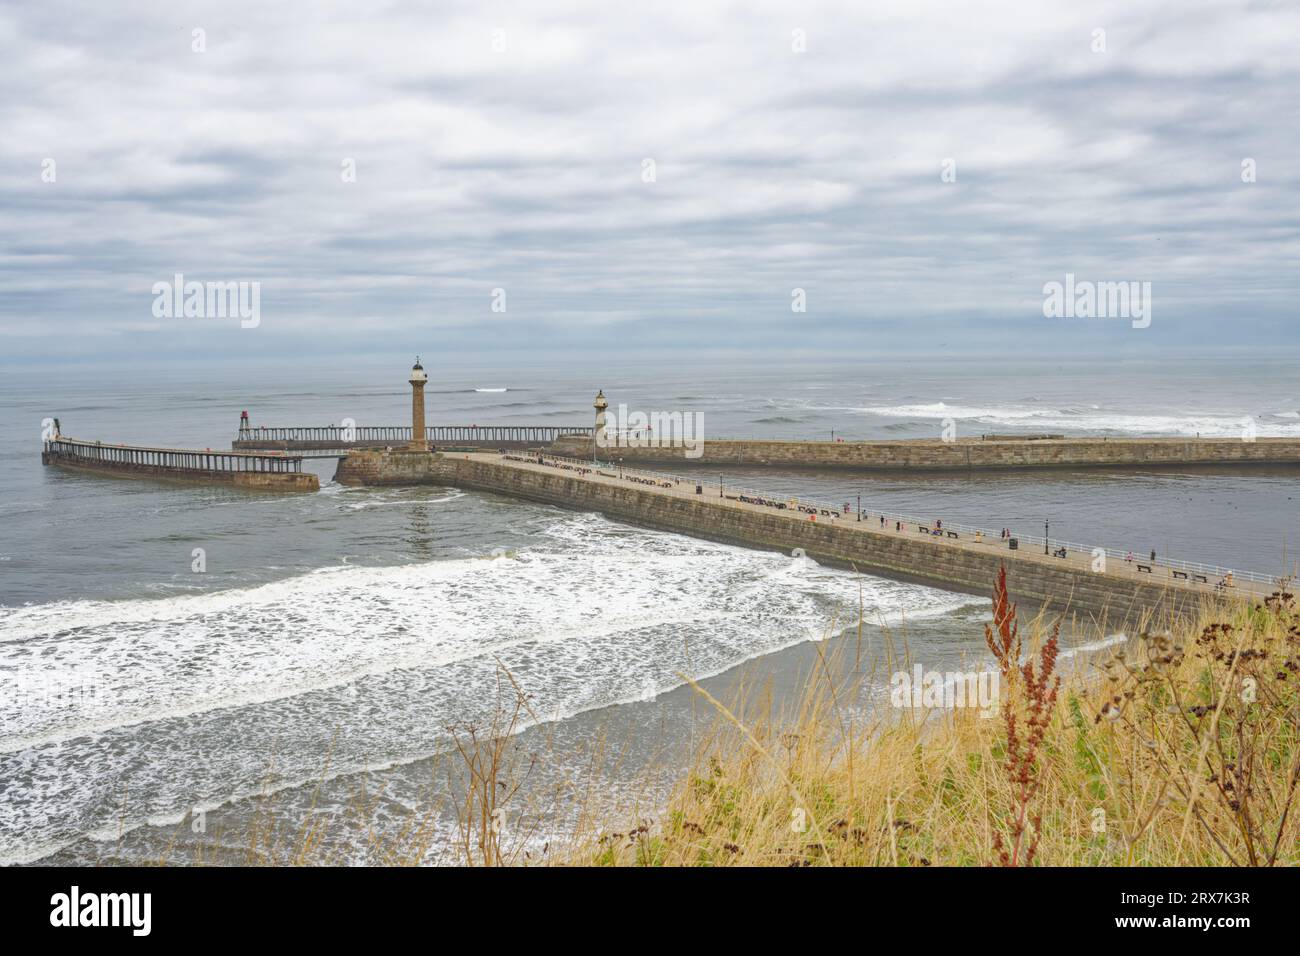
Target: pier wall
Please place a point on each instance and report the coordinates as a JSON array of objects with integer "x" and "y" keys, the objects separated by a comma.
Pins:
[
  {"x": 1109, "y": 599},
  {"x": 392, "y": 467},
  {"x": 959, "y": 455}
]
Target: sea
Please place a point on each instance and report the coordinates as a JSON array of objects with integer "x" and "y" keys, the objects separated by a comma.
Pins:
[{"x": 210, "y": 675}]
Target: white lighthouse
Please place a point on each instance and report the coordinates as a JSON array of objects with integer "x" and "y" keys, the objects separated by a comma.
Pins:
[{"x": 598, "y": 438}]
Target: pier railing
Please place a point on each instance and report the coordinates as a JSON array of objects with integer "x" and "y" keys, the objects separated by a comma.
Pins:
[
  {"x": 1212, "y": 572},
  {"x": 100, "y": 453},
  {"x": 341, "y": 436}
]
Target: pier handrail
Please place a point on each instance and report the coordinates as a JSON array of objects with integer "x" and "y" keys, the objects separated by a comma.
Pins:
[
  {"x": 278, "y": 455},
  {"x": 1209, "y": 570},
  {"x": 368, "y": 433},
  {"x": 201, "y": 459}
]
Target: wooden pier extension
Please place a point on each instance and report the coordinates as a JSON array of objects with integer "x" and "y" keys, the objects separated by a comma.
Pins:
[{"x": 270, "y": 472}]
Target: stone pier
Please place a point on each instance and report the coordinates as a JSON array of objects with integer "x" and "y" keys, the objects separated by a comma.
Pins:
[
  {"x": 1123, "y": 595},
  {"x": 964, "y": 454}
]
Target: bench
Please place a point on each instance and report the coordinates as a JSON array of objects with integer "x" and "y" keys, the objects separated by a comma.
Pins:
[
  {"x": 1201, "y": 577},
  {"x": 952, "y": 534},
  {"x": 1144, "y": 567},
  {"x": 1181, "y": 574}
]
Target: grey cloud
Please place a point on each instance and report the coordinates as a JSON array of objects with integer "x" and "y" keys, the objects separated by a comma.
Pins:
[{"x": 522, "y": 170}]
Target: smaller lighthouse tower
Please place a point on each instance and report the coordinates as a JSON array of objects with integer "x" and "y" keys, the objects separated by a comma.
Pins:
[
  {"x": 598, "y": 438},
  {"x": 418, "y": 381}
]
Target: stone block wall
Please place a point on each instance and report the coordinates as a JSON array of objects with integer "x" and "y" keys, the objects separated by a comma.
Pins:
[
  {"x": 960, "y": 455},
  {"x": 397, "y": 466}
]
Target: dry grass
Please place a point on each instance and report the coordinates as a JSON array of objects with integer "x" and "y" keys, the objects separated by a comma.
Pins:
[{"x": 1181, "y": 749}]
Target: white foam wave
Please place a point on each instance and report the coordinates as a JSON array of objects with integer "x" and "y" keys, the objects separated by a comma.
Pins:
[
  {"x": 370, "y": 664},
  {"x": 1091, "y": 647},
  {"x": 1088, "y": 419},
  {"x": 374, "y": 502}
]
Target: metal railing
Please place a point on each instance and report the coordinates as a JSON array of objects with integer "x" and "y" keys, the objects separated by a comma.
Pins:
[
  {"x": 180, "y": 459},
  {"x": 341, "y": 436}
]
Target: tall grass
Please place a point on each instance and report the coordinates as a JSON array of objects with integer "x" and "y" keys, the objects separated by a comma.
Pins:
[{"x": 1179, "y": 748}]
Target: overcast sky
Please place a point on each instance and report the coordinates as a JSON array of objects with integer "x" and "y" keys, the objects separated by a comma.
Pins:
[{"x": 504, "y": 146}]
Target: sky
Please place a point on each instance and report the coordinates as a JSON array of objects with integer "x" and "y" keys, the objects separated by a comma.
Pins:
[{"x": 668, "y": 179}]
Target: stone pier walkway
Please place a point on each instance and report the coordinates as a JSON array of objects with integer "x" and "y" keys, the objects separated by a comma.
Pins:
[{"x": 1080, "y": 562}]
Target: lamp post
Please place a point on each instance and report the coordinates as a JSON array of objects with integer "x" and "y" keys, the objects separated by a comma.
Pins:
[
  {"x": 859, "y": 507},
  {"x": 1046, "y": 526},
  {"x": 720, "y": 494}
]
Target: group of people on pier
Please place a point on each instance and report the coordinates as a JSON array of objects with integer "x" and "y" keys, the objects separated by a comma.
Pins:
[
  {"x": 641, "y": 480},
  {"x": 540, "y": 460},
  {"x": 764, "y": 502},
  {"x": 584, "y": 470}
]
